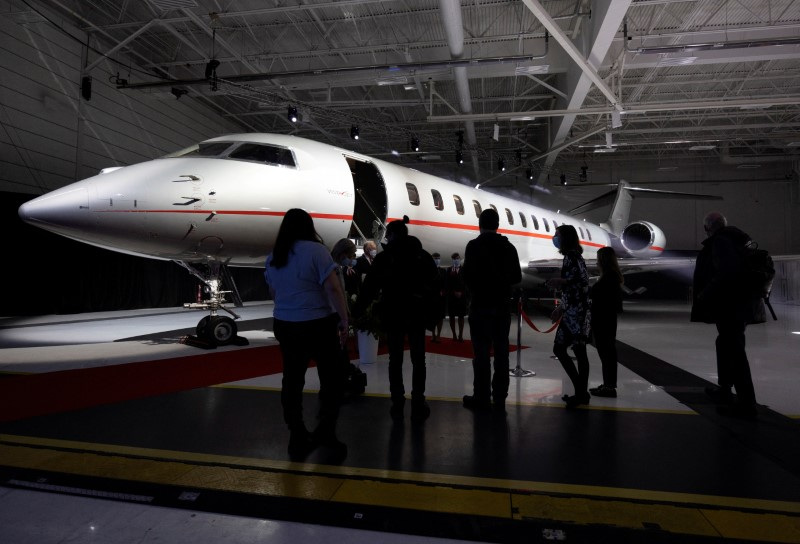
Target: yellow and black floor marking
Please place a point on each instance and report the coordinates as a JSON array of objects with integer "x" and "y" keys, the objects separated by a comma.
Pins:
[{"x": 418, "y": 503}]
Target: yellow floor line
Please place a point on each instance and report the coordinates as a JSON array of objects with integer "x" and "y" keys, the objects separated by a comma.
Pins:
[{"x": 681, "y": 513}]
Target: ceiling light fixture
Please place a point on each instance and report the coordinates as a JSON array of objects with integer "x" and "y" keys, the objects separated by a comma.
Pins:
[
  {"x": 354, "y": 132},
  {"x": 414, "y": 143},
  {"x": 501, "y": 164},
  {"x": 292, "y": 114},
  {"x": 459, "y": 157},
  {"x": 702, "y": 147}
]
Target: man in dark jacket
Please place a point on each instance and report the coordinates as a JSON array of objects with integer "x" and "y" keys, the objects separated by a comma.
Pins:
[
  {"x": 491, "y": 268},
  {"x": 721, "y": 297},
  {"x": 403, "y": 277}
]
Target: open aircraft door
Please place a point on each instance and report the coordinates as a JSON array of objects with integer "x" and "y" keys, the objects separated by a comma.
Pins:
[{"x": 369, "y": 213}]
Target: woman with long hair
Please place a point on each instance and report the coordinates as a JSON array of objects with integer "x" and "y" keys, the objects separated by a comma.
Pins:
[
  {"x": 606, "y": 296},
  {"x": 573, "y": 330},
  {"x": 310, "y": 322}
]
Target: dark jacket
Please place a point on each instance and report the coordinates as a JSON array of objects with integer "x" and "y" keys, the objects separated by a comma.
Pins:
[
  {"x": 606, "y": 296},
  {"x": 718, "y": 286},
  {"x": 405, "y": 280},
  {"x": 491, "y": 269}
]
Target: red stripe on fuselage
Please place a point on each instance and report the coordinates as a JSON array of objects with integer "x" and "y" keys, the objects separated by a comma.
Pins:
[
  {"x": 234, "y": 212},
  {"x": 501, "y": 231}
]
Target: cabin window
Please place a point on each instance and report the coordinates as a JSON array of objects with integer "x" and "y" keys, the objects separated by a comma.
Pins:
[
  {"x": 477, "y": 206},
  {"x": 268, "y": 154},
  {"x": 546, "y": 224},
  {"x": 555, "y": 225},
  {"x": 510, "y": 216},
  {"x": 413, "y": 194},
  {"x": 581, "y": 231},
  {"x": 204, "y": 149},
  {"x": 523, "y": 220},
  {"x": 535, "y": 222},
  {"x": 438, "y": 203},
  {"x": 588, "y": 234},
  {"x": 459, "y": 204},
  {"x": 493, "y": 207}
]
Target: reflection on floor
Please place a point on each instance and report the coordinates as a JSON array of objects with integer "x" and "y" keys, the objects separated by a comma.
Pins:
[{"x": 187, "y": 442}]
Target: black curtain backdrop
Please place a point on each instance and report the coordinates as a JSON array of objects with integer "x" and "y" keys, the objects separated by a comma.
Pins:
[{"x": 44, "y": 273}]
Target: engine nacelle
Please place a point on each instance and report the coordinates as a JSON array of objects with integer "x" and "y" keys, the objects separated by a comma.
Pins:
[{"x": 642, "y": 239}]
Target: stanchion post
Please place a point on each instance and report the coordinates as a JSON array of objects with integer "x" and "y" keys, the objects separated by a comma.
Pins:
[{"x": 518, "y": 371}]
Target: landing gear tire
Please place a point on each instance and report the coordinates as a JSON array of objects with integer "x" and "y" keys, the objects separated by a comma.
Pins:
[
  {"x": 201, "y": 327},
  {"x": 218, "y": 329}
]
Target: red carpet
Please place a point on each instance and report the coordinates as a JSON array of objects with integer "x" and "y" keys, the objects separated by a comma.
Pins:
[
  {"x": 448, "y": 346},
  {"x": 54, "y": 392}
]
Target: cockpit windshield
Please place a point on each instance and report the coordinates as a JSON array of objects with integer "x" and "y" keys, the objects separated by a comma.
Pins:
[
  {"x": 243, "y": 151},
  {"x": 203, "y": 149}
]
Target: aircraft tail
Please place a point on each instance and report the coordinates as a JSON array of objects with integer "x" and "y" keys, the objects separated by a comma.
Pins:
[{"x": 622, "y": 198}]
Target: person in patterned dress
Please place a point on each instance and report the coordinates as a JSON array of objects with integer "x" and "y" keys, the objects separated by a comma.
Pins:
[{"x": 574, "y": 313}]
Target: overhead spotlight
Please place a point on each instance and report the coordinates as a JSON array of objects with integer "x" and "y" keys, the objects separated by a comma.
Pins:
[
  {"x": 529, "y": 173},
  {"x": 414, "y": 144},
  {"x": 178, "y": 93},
  {"x": 292, "y": 114},
  {"x": 501, "y": 164},
  {"x": 354, "y": 132},
  {"x": 211, "y": 68},
  {"x": 459, "y": 157},
  {"x": 518, "y": 155},
  {"x": 563, "y": 179}
]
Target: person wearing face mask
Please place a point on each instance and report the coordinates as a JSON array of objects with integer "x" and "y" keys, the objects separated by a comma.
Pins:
[
  {"x": 441, "y": 299},
  {"x": 491, "y": 269},
  {"x": 344, "y": 255},
  {"x": 573, "y": 330},
  {"x": 365, "y": 260},
  {"x": 456, "y": 291}
]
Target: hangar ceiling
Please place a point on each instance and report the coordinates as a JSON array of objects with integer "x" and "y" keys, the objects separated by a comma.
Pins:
[{"x": 545, "y": 86}]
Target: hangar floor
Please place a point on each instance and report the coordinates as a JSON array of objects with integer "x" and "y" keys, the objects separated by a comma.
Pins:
[{"x": 112, "y": 430}]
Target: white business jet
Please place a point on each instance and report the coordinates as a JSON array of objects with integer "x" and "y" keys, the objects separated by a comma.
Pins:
[{"x": 219, "y": 203}]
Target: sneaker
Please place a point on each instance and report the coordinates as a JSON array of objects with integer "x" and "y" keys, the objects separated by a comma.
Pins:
[
  {"x": 301, "y": 444},
  {"x": 420, "y": 411},
  {"x": 604, "y": 391},
  {"x": 397, "y": 411},
  {"x": 576, "y": 400},
  {"x": 476, "y": 403}
]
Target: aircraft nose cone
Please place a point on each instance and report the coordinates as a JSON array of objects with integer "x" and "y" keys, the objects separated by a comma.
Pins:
[{"x": 61, "y": 208}]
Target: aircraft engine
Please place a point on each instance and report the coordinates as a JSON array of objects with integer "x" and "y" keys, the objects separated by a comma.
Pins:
[{"x": 642, "y": 239}]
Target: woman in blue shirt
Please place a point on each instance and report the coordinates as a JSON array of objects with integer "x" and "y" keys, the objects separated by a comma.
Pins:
[{"x": 310, "y": 322}]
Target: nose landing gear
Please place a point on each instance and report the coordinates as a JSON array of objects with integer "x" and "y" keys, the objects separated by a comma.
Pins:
[{"x": 215, "y": 330}]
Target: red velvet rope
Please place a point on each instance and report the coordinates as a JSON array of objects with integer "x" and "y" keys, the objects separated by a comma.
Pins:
[{"x": 530, "y": 323}]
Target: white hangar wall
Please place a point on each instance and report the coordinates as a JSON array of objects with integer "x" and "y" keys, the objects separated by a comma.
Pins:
[{"x": 51, "y": 136}]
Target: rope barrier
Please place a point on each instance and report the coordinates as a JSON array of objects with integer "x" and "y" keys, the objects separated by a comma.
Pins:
[{"x": 530, "y": 323}]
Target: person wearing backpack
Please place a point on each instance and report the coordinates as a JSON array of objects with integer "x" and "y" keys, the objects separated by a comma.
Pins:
[
  {"x": 404, "y": 279},
  {"x": 721, "y": 296}
]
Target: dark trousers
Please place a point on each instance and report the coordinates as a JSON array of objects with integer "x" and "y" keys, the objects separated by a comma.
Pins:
[
  {"x": 300, "y": 343},
  {"x": 605, "y": 340},
  {"x": 488, "y": 329},
  {"x": 733, "y": 368},
  {"x": 578, "y": 376},
  {"x": 396, "y": 334}
]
